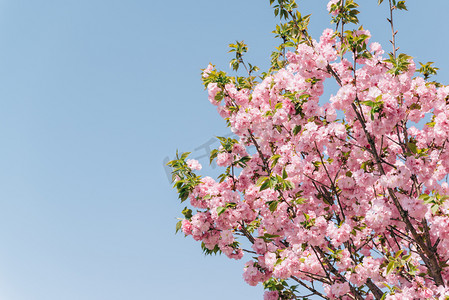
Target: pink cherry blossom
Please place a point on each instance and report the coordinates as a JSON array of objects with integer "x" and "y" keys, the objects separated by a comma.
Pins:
[{"x": 350, "y": 192}]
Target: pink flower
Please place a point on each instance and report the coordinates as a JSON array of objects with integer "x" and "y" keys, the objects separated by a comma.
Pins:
[
  {"x": 213, "y": 90},
  {"x": 259, "y": 246},
  {"x": 339, "y": 289},
  {"x": 194, "y": 164},
  {"x": 271, "y": 295},
  {"x": 226, "y": 237},
  {"x": 224, "y": 159},
  {"x": 329, "y": 7},
  {"x": 270, "y": 260},
  {"x": 321, "y": 62},
  {"x": 207, "y": 71},
  {"x": 251, "y": 274},
  {"x": 186, "y": 227}
]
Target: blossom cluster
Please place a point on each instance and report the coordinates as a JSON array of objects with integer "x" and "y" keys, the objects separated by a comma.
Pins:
[{"x": 349, "y": 193}]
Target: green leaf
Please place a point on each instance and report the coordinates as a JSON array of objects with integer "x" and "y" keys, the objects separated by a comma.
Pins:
[
  {"x": 415, "y": 106},
  {"x": 275, "y": 159},
  {"x": 187, "y": 213},
  {"x": 231, "y": 205},
  {"x": 267, "y": 184},
  {"x": 412, "y": 147},
  {"x": 185, "y": 155},
  {"x": 297, "y": 129},
  {"x": 300, "y": 200},
  {"x": 273, "y": 205},
  {"x": 242, "y": 161},
  {"x": 435, "y": 208},
  {"x": 368, "y": 103},
  {"x": 401, "y": 5},
  {"x": 178, "y": 225},
  {"x": 260, "y": 180},
  {"x": 220, "y": 210},
  {"x": 288, "y": 185},
  {"x": 390, "y": 267},
  {"x": 213, "y": 155},
  {"x": 424, "y": 197},
  {"x": 270, "y": 236},
  {"x": 278, "y": 262},
  {"x": 398, "y": 253}
]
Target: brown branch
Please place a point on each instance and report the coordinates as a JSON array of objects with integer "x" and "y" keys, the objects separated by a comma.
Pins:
[
  {"x": 314, "y": 291},
  {"x": 337, "y": 273},
  {"x": 246, "y": 233},
  {"x": 334, "y": 188},
  {"x": 393, "y": 33},
  {"x": 428, "y": 255},
  {"x": 377, "y": 292},
  {"x": 265, "y": 166}
]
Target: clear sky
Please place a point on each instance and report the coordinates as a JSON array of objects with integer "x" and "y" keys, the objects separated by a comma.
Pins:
[{"x": 94, "y": 94}]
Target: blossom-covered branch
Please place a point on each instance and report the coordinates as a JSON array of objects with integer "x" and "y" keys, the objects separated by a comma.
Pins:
[{"x": 345, "y": 200}]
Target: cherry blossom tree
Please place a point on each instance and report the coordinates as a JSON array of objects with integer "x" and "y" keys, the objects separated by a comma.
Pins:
[{"x": 346, "y": 200}]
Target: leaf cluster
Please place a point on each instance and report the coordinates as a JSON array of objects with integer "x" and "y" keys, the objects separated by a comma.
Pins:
[
  {"x": 218, "y": 77},
  {"x": 356, "y": 43},
  {"x": 434, "y": 201},
  {"x": 427, "y": 69},
  {"x": 401, "y": 263},
  {"x": 292, "y": 32},
  {"x": 346, "y": 13},
  {"x": 376, "y": 105},
  {"x": 400, "y": 5},
  {"x": 185, "y": 180},
  {"x": 239, "y": 48},
  {"x": 216, "y": 250},
  {"x": 399, "y": 64},
  {"x": 275, "y": 182},
  {"x": 282, "y": 287}
]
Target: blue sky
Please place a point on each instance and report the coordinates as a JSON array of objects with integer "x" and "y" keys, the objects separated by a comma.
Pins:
[{"x": 94, "y": 94}]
